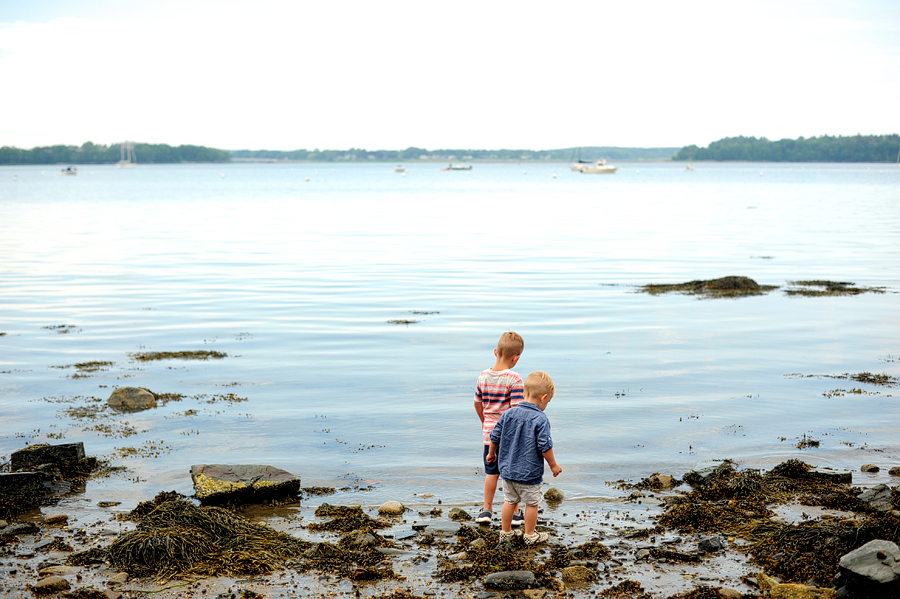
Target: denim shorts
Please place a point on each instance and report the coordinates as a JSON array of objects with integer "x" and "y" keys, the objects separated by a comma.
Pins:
[
  {"x": 519, "y": 493},
  {"x": 490, "y": 467}
]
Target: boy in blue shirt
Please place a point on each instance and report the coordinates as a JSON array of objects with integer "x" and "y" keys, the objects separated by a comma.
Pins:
[{"x": 520, "y": 442}]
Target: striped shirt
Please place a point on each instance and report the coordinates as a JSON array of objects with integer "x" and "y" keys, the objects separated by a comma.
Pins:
[{"x": 497, "y": 392}]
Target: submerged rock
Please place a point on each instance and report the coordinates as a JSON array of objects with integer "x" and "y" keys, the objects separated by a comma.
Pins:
[
  {"x": 554, "y": 494},
  {"x": 512, "y": 580},
  {"x": 216, "y": 484},
  {"x": 131, "y": 399},
  {"x": 725, "y": 287}
]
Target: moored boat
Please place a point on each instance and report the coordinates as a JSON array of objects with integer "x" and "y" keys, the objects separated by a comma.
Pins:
[{"x": 69, "y": 170}]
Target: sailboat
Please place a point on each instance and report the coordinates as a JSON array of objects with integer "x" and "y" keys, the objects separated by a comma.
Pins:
[
  {"x": 127, "y": 158},
  {"x": 690, "y": 164}
]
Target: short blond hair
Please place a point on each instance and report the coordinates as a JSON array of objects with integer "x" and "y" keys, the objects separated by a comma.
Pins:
[
  {"x": 538, "y": 383},
  {"x": 510, "y": 344}
]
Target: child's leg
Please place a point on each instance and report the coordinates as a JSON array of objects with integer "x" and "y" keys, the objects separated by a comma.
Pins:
[
  {"x": 506, "y": 516},
  {"x": 531, "y": 514},
  {"x": 490, "y": 489}
]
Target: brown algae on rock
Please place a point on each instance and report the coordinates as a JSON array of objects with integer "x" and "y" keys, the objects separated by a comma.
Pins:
[
  {"x": 724, "y": 287},
  {"x": 824, "y": 288},
  {"x": 178, "y": 355}
]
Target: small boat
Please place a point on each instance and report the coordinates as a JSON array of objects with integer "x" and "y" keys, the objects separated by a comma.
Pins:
[
  {"x": 399, "y": 169},
  {"x": 458, "y": 167},
  {"x": 598, "y": 167},
  {"x": 69, "y": 170}
]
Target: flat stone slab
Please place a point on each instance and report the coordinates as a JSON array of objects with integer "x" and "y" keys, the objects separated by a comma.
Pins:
[
  {"x": 25, "y": 488},
  {"x": 442, "y": 529},
  {"x": 835, "y": 476},
  {"x": 217, "y": 484},
  {"x": 64, "y": 455},
  {"x": 878, "y": 560}
]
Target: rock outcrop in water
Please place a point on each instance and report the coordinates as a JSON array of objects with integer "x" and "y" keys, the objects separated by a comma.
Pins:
[{"x": 713, "y": 288}]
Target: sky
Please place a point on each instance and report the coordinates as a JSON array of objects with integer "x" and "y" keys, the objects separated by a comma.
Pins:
[{"x": 284, "y": 75}]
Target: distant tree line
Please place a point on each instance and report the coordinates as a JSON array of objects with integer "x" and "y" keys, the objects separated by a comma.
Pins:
[
  {"x": 91, "y": 153},
  {"x": 414, "y": 153},
  {"x": 858, "y": 148}
]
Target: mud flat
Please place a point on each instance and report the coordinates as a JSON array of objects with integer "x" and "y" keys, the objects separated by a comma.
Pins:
[{"x": 722, "y": 531}]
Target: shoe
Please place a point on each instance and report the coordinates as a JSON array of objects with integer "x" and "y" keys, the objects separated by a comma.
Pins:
[
  {"x": 538, "y": 537},
  {"x": 507, "y": 536},
  {"x": 484, "y": 517},
  {"x": 518, "y": 519}
]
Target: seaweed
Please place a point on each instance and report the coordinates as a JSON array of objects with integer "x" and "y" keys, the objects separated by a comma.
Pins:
[
  {"x": 177, "y": 355},
  {"x": 713, "y": 288},
  {"x": 345, "y": 519},
  {"x": 825, "y": 288},
  {"x": 179, "y": 539},
  {"x": 627, "y": 589}
]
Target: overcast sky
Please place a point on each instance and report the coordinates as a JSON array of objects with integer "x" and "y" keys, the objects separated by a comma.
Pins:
[{"x": 283, "y": 75}]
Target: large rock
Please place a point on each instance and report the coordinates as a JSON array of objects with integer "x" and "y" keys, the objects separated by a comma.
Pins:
[
  {"x": 513, "y": 580},
  {"x": 131, "y": 399},
  {"x": 878, "y": 498},
  {"x": 707, "y": 471},
  {"x": 844, "y": 477},
  {"x": 554, "y": 495},
  {"x": 22, "y": 486},
  {"x": 391, "y": 508},
  {"x": 578, "y": 575},
  {"x": 442, "y": 529},
  {"x": 877, "y": 561},
  {"x": 51, "y": 584},
  {"x": 65, "y": 456},
  {"x": 217, "y": 484},
  {"x": 711, "y": 544}
]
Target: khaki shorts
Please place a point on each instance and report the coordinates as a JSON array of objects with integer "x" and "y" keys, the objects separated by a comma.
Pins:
[{"x": 519, "y": 493}]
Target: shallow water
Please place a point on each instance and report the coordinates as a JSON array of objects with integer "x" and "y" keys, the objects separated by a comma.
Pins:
[{"x": 297, "y": 279}]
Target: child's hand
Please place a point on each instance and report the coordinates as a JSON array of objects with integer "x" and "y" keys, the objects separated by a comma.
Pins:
[
  {"x": 491, "y": 457},
  {"x": 556, "y": 469}
]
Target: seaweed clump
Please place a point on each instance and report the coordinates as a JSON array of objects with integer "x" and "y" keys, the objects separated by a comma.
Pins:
[
  {"x": 179, "y": 539},
  {"x": 178, "y": 355},
  {"x": 712, "y": 288},
  {"x": 823, "y": 288},
  {"x": 627, "y": 589},
  {"x": 145, "y": 507},
  {"x": 345, "y": 519}
]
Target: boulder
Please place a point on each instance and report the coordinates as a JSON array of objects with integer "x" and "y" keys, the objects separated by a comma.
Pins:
[
  {"x": 554, "y": 495},
  {"x": 25, "y": 489},
  {"x": 578, "y": 575},
  {"x": 877, "y": 561},
  {"x": 878, "y": 498},
  {"x": 217, "y": 484},
  {"x": 661, "y": 481},
  {"x": 391, "y": 508},
  {"x": 869, "y": 468},
  {"x": 706, "y": 471},
  {"x": 131, "y": 399},
  {"x": 836, "y": 476},
  {"x": 65, "y": 456},
  {"x": 512, "y": 580},
  {"x": 460, "y": 515},
  {"x": 51, "y": 584},
  {"x": 711, "y": 544}
]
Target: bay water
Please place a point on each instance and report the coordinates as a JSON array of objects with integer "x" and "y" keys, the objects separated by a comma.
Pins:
[{"x": 295, "y": 270}]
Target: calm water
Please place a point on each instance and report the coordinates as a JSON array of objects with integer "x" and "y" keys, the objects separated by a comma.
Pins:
[{"x": 296, "y": 279}]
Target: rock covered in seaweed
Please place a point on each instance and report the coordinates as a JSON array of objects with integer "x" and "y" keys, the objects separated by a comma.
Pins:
[
  {"x": 217, "y": 484},
  {"x": 131, "y": 399},
  {"x": 712, "y": 288}
]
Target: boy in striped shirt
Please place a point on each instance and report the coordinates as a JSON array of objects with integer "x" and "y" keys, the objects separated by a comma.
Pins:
[{"x": 498, "y": 389}]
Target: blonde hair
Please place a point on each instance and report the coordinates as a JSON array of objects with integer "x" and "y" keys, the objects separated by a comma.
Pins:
[
  {"x": 538, "y": 383},
  {"x": 510, "y": 344}
]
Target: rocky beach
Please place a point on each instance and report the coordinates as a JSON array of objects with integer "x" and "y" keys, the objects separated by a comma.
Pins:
[{"x": 251, "y": 531}]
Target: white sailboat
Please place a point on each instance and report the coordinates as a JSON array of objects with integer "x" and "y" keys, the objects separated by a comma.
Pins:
[
  {"x": 127, "y": 158},
  {"x": 598, "y": 167}
]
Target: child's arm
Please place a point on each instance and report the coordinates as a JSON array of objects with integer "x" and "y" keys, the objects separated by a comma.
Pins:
[
  {"x": 492, "y": 453},
  {"x": 551, "y": 461},
  {"x": 479, "y": 409}
]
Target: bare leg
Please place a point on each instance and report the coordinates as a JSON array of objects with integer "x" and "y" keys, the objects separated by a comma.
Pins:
[
  {"x": 506, "y": 516},
  {"x": 531, "y": 514},
  {"x": 490, "y": 489}
]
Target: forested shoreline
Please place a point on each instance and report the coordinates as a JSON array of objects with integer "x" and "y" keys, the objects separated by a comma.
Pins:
[
  {"x": 91, "y": 153},
  {"x": 856, "y": 148}
]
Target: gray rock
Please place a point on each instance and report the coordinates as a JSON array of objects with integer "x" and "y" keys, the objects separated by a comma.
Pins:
[
  {"x": 120, "y": 578},
  {"x": 554, "y": 495},
  {"x": 513, "y": 580},
  {"x": 878, "y": 498},
  {"x": 43, "y": 544},
  {"x": 322, "y": 551},
  {"x": 59, "y": 571},
  {"x": 711, "y": 544},
  {"x": 215, "y": 484},
  {"x": 706, "y": 471},
  {"x": 459, "y": 514},
  {"x": 390, "y": 551},
  {"x": 359, "y": 539},
  {"x": 442, "y": 529},
  {"x": 19, "y": 528},
  {"x": 878, "y": 561},
  {"x": 131, "y": 399},
  {"x": 642, "y": 554},
  {"x": 51, "y": 584},
  {"x": 405, "y": 534},
  {"x": 63, "y": 455}
]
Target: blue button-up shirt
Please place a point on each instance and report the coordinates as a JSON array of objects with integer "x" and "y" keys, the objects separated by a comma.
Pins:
[{"x": 522, "y": 435}]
